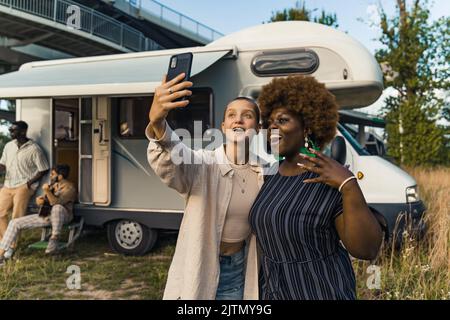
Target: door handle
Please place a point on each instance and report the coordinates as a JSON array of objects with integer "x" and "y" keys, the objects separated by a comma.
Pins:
[
  {"x": 101, "y": 132},
  {"x": 100, "y": 137}
]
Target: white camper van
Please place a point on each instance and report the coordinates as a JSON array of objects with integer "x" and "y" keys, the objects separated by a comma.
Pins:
[{"x": 91, "y": 113}]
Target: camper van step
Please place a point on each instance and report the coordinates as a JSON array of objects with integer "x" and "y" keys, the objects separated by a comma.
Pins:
[{"x": 42, "y": 245}]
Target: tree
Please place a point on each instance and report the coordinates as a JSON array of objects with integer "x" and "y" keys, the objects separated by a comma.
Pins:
[
  {"x": 301, "y": 13},
  {"x": 415, "y": 56}
]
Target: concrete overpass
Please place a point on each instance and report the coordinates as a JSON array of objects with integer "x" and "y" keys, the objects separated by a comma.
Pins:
[
  {"x": 44, "y": 24},
  {"x": 168, "y": 27},
  {"x": 39, "y": 30}
]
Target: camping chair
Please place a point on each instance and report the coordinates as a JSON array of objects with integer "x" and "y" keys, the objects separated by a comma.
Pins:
[{"x": 74, "y": 227}]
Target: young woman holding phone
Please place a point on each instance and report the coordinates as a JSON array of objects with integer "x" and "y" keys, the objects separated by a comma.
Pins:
[{"x": 215, "y": 256}]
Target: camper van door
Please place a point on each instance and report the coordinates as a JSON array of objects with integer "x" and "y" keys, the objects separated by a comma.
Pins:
[
  {"x": 95, "y": 151},
  {"x": 101, "y": 152}
]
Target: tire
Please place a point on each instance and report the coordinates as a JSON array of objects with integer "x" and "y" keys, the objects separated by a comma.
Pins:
[{"x": 129, "y": 237}]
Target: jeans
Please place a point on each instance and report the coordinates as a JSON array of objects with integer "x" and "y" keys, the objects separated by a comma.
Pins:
[{"x": 232, "y": 277}]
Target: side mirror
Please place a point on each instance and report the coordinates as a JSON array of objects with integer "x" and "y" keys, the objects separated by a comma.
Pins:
[{"x": 339, "y": 150}]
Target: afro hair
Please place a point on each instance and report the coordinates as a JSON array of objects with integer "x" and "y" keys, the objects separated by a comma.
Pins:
[{"x": 315, "y": 106}]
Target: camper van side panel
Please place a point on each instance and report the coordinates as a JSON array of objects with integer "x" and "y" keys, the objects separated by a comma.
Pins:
[
  {"x": 134, "y": 184},
  {"x": 37, "y": 113}
]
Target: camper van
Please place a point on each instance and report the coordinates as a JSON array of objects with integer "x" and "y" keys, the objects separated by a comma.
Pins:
[{"x": 91, "y": 113}]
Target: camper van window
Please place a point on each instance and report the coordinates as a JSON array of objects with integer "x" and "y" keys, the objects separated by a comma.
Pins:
[
  {"x": 374, "y": 145},
  {"x": 274, "y": 63},
  {"x": 358, "y": 148},
  {"x": 133, "y": 114}
]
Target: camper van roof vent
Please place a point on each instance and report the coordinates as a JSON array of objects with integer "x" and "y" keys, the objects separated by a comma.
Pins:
[{"x": 272, "y": 63}]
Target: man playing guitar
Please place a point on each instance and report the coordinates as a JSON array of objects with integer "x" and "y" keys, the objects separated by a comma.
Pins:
[{"x": 60, "y": 196}]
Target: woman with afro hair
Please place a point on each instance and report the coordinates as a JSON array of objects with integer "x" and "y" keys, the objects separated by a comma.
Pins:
[{"x": 311, "y": 213}]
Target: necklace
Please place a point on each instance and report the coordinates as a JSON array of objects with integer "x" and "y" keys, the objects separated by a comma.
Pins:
[{"x": 243, "y": 184}]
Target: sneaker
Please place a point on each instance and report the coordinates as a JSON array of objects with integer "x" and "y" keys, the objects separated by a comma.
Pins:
[
  {"x": 52, "y": 246},
  {"x": 8, "y": 254}
]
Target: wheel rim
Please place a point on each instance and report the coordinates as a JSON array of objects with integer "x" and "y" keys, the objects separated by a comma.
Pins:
[{"x": 128, "y": 234}]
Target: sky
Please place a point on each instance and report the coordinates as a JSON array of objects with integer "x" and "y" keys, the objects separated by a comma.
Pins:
[{"x": 234, "y": 15}]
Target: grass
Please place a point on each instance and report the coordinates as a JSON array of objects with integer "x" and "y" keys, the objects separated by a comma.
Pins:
[
  {"x": 104, "y": 274},
  {"x": 419, "y": 270}
]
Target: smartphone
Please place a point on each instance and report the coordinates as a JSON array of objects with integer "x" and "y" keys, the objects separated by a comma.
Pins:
[{"x": 178, "y": 64}]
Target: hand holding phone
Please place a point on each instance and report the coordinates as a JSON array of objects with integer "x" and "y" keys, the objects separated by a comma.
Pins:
[{"x": 172, "y": 92}]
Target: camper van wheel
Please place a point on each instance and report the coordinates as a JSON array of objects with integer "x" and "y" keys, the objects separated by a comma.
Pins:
[{"x": 130, "y": 237}]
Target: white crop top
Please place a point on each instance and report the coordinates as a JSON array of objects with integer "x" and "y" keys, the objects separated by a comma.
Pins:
[{"x": 244, "y": 192}]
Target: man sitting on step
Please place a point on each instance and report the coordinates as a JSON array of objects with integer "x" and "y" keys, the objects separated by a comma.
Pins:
[{"x": 59, "y": 197}]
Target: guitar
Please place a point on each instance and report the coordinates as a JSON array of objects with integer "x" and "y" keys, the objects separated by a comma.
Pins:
[{"x": 46, "y": 208}]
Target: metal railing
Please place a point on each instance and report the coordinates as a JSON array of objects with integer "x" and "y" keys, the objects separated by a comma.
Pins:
[
  {"x": 160, "y": 11},
  {"x": 91, "y": 21}
]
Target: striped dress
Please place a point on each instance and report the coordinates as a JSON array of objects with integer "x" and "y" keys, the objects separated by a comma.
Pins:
[{"x": 301, "y": 254}]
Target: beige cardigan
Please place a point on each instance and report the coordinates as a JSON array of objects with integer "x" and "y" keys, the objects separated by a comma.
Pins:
[{"x": 206, "y": 188}]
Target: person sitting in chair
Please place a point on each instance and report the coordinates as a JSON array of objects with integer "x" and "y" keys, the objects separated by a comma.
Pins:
[{"x": 56, "y": 207}]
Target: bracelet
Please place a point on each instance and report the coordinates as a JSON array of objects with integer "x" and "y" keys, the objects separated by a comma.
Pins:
[{"x": 345, "y": 181}]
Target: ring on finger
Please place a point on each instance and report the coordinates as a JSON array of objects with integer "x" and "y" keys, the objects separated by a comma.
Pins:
[{"x": 170, "y": 90}]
